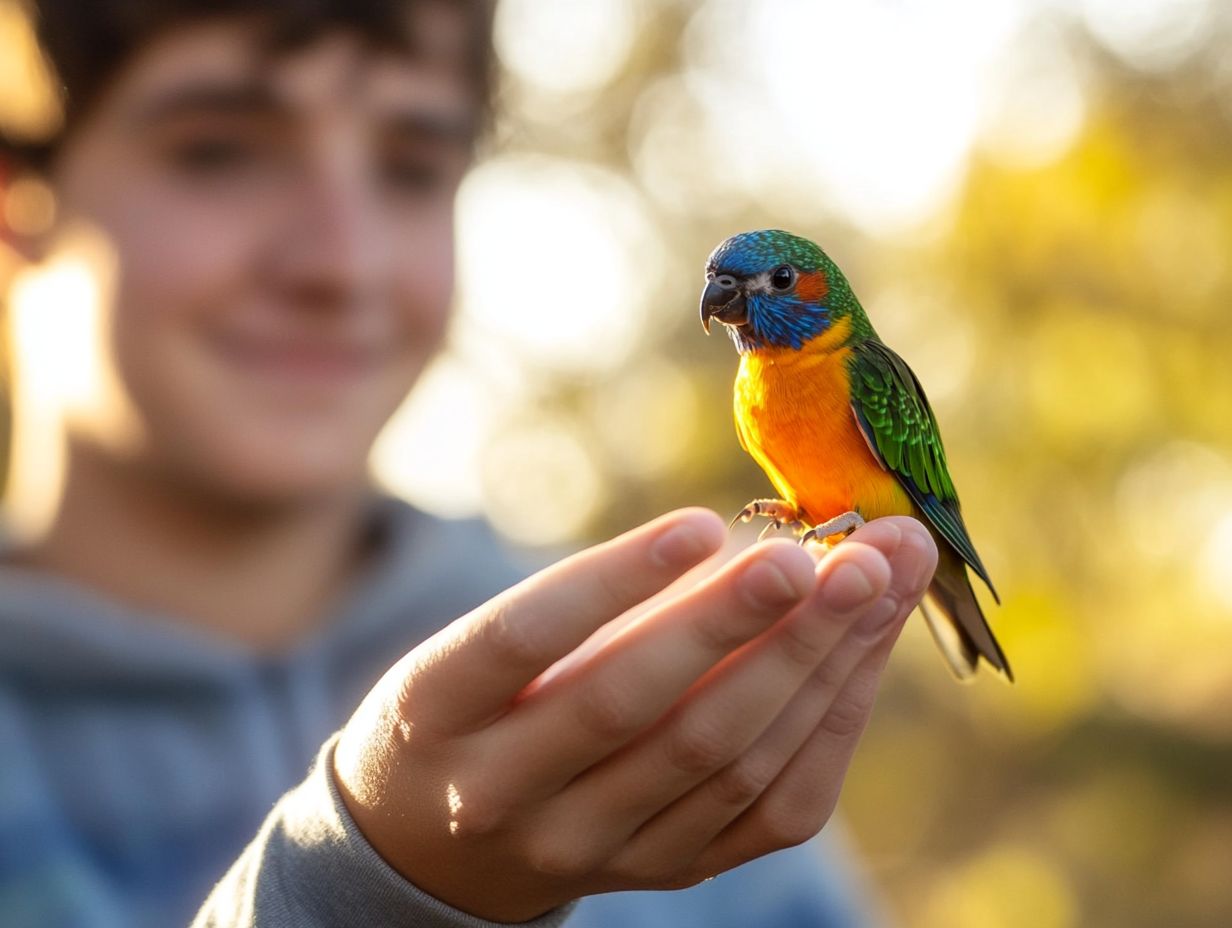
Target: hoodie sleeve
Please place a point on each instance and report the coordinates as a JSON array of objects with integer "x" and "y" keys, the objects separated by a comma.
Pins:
[{"x": 309, "y": 865}]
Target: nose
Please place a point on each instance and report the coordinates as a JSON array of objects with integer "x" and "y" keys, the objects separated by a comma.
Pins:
[{"x": 330, "y": 252}]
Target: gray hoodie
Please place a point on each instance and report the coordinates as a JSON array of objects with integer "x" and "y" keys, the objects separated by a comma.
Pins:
[{"x": 145, "y": 766}]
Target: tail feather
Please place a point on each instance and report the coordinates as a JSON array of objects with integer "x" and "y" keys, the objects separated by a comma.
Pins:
[{"x": 956, "y": 621}]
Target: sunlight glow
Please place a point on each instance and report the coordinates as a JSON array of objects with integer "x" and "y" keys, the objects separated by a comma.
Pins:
[
  {"x": 430, "y": 452},
  {"x": 870, "y": 107},
  {"x": 454, "y": 799},
  {"x": 541, "y": 485},
  {"x": 1035, "y": 104},
  {"x": 55, "y": 328},
  {"x": 1215, "y": 563},
  {"x": 28, "y": 104},
  {"x": 1151, "y": 34},
  {"x": 55, "y": 320},
  {"x": 565, "y": 46},
  {"x": 1193, "y": 479},
  {"x": 557, "y": 261},
  {"x": 667, "y": 129},
  {"x": 646, "y": 419}
]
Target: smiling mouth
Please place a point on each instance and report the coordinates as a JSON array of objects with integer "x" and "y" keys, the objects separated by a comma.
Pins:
[{"x": 300, "y": 360}]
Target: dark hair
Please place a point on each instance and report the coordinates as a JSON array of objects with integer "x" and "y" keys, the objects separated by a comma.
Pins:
[{"x": 86, "y": 44}]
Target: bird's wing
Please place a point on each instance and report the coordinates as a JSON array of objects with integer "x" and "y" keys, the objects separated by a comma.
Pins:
[{"x": 894, "y": 415}]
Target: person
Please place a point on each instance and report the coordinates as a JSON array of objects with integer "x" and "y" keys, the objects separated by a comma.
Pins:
[{"x": 205, "y": 596}]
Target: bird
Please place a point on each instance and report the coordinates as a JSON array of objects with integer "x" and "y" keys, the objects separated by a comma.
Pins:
[{"x": 840, "y": 424}]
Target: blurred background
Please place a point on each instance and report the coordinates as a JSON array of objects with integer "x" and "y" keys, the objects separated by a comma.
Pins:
[{"x": 1033, "y": 200}]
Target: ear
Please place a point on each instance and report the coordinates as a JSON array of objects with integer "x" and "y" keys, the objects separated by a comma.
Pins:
[{"x": 27, "y": 211}]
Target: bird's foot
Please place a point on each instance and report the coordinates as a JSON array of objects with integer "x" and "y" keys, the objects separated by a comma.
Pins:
[
  {"x": 780, "y": 513},
  {"x": 845, "y": 524}
]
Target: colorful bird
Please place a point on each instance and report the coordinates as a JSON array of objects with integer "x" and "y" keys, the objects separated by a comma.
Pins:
[{"x": 839, "y": 422}]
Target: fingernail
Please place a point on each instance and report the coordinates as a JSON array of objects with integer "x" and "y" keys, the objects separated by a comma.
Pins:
[
  {"x": 679, "y": 545},
  {"x": 878, "y": 616},
  {"x": 847, "y": 588},
  {"x": 767, "y": 585}
]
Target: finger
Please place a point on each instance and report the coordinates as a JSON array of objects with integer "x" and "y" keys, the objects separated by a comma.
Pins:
[
  {"x": 734, "y": 732},
  {"x": 674, "y": 590},
  {"x": 802, "y": 798},
  {"x": 912, "y": 554},
  {"x": 473, "y": 669},
  {"x": 584, "y": 716},
  {"x": 679, "y": 833}
]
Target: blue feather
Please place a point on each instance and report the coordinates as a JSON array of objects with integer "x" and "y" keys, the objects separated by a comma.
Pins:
[{"x": 780, "y": 321}]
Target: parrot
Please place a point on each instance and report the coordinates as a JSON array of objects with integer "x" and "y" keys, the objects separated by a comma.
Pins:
[{"x": 839, "y": 423}]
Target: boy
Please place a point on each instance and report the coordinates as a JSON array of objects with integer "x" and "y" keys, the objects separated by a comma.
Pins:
[{"x": 261, "y": 195}]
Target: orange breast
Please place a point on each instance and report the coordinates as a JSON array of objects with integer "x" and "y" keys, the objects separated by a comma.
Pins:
[{"x": 793, "y": 415}]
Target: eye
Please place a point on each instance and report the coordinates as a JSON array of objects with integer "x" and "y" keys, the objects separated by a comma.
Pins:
[
  {"x": 422, "y": 169},
  {"x": 783, "y": 277},
  {"x": 212, "y": 155},
  {"x": 412, "y": 175}
]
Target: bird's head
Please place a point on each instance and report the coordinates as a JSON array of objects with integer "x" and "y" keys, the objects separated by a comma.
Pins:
[{"x": 772, "y": 289}]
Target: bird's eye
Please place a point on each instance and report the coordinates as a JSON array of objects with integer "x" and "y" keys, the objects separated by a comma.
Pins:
[{"x": 783, "y": 277}]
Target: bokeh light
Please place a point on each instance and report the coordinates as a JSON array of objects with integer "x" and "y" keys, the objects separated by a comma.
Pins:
[
  {"x": 564, "y": 46},
  {"x": 55, "y": 321},
  {"x": 28, "y": 207},
  {"x": 853, "y": 105},
  {"x": 1153, "y": 34},
  {"x": 1035, "y": 101},
  {"x": 432, "y": 449},
  {"x": 646, "y": 419},
  {"x": 1215, "y": 565},
  {"x": 542, "y": 485},
  {"x": 557, "y": 261},
  {"x": 28, "y": 107}
]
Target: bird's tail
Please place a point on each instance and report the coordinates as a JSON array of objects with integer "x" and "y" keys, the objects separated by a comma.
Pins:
[{"x": 954, "y": 617}]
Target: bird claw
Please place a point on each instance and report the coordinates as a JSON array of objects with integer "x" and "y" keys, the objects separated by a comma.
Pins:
[
  {"x": 780, "y": 513},
  {"x": 772, "y": 526},
  {"x": 844, "y": 524}
]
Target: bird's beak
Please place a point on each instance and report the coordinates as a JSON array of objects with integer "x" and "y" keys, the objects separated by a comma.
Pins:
[{"x": 725, "y": 303}]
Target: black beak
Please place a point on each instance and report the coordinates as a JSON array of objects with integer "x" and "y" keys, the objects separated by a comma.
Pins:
[{"x": 723, "y": 300}]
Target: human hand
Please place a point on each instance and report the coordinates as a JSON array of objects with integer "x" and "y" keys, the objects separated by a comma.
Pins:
[{"x": 712, "y": 729}]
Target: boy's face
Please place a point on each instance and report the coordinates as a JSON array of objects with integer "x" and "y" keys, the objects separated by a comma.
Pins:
[{"x": 283, "y": 240}]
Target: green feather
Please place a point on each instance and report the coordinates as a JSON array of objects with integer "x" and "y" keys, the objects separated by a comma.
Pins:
[{"x": 895, "y": 416}]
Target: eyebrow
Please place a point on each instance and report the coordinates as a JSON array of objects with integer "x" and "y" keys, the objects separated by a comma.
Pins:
[
  {"x": 255, "y": 98},
  {"x": 249, "y": 98}
]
